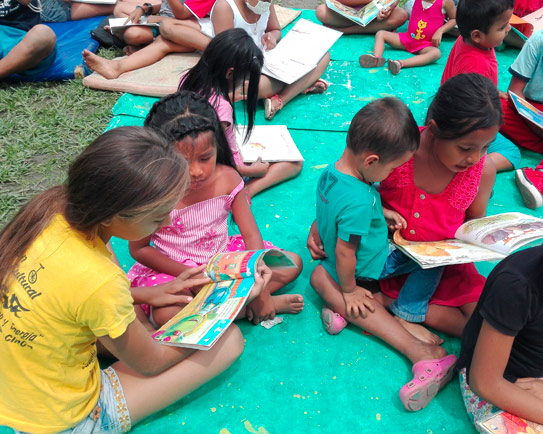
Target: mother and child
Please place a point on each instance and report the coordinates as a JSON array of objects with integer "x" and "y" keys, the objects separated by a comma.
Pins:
[
  {"x": 430, "y": 183},
  {"x": 257, "y": 17},
  {"x": 59, "y": 241}
]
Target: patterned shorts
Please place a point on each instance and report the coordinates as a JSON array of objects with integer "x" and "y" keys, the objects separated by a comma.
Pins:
[
  {"x": 111, "y": 412},
  {"x": 478, "y": 409}
]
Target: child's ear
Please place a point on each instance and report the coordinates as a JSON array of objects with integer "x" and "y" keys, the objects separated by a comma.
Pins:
[
  {"x": 476, "y": 36},
  {"x": 107, "y": 222},
  {"x": 371, "y": 159},
  {"x": 432, "y": 126},
  {"x": 229, "y": 73}
]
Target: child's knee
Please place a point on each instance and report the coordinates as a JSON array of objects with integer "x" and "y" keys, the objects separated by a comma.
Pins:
[
  {"x": 322, "y": 12},
  {"x": 233, "y": 343}
]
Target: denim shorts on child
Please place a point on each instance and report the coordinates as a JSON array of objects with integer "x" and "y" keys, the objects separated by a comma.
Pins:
[
  {"x": 110, "y": 413},
  {"x": 10, "y": 37}
]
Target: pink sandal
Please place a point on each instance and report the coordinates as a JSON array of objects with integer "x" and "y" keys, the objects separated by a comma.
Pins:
[
  {"x": 269, "y": 112},
  {"x": 320, "y": 86},
  {"x": 333, "y": 322},
  {"x": 370, "y": 61},
  {"x": 430, "y": 376}
]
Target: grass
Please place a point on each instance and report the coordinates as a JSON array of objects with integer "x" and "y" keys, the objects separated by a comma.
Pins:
[{"x": 44, "y": 126}]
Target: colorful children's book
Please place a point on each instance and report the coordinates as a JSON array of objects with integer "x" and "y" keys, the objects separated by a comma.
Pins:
[
  {"x": 269, "y": 142},
  {"x": 363, "y": 15},
  {"x": 299, "y": 51},
  {"x": 527, "y": 110},
  {"x": 506, "y": 423},
  {"x": 200, "y": 324},
  {"x": 116, "y": 25},
  {"x": 486, "y": 239}
]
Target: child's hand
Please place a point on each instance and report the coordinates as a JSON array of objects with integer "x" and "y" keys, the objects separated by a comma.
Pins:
[
  {"x": 268, "y": 41},
  {"x": 262, "y": 278},
  {"x": 259, "y": 168},
  {"x": 314, "y": 243},
  {"x": 135, "y": 16},
  {"x": 503, "y": 95},
  {"x": 394, "y": 220},
  {"x": 261, "y": 308},
  {"x": 384, "y": 13},
  {"x": 357, "y": 301},
  {"x": 436, "y": 39}
]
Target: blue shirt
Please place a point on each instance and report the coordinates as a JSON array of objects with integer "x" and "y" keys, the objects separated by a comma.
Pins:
[
  {"x": 350, "y": 209},
  {"x": 528, "y": 67}
]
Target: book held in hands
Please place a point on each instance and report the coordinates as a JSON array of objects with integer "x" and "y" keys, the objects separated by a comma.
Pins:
[{"x": 200, "y": 324}]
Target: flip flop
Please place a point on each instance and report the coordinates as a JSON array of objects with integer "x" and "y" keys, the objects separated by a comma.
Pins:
[
  {"x": 333, "y": 322},
  {"x": 394, "y": 66},
  {"x": 370, "y": 61},
  {"x": 320, "y": 86},
  {"x": 269, "y": 113},
  {"x": 430, "y": 376}
]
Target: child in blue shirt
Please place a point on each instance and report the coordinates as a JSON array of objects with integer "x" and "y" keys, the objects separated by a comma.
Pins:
[{"x": 351, "y": 221}]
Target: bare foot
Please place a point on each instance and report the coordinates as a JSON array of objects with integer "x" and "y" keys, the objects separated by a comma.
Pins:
[
  {"x": 420, "y": 332},
  {"x": 421, "y": 351},
  {"x": 108, "y": 68},
  {"x": 288, "y": 303}
]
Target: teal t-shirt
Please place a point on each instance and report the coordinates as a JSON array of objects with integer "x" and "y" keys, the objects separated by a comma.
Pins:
[
  {"x": 528, "y": 67},
  {"x": 350, "y": 209}
]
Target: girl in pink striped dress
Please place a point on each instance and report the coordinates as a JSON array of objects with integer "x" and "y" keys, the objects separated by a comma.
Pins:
[{"x": 199, "y": 222}]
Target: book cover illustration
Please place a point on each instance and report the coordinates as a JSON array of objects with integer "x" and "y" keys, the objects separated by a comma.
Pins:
[
  {"x": 527, "y": 110},
  {"x": 200, "y": 324},
  {"x": 363, "y": 15},
  {"x": 506, "y": 423},
  {"x": 268, "y": 142}
]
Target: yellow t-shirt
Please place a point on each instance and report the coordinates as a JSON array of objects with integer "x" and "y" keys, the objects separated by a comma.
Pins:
[{"x": 66, "y": 292}]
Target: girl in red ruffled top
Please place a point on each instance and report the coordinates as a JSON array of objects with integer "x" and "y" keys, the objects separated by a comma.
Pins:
[{"x": 446, "y": 183}]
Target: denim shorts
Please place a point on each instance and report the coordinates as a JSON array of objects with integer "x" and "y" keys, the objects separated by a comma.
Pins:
[
  {"x": 55, "y": 11},
  {"x": 110, "y": 413}
]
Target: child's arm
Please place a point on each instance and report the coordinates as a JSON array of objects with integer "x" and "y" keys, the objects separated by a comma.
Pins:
[
  {"x": 478, "y": 207},
  {"x": 314, "y": 242},
  {"x": 523, "y": 398},
  {"x": 179, "y": 10},
  {"x": 222, "y": 17},
  {"x": 273, "y": 31},
  {"x": 255, "y": 170},
  {"x": 147, "y": 255},
  {"x": 394, "y": 219},
  {"x": 450, "y": 10},
  {"x": 357, "y": 299}
]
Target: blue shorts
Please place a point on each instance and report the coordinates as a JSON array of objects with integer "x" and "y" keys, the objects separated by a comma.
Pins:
[
  {"x": 10, "y": 37},
  {"x": 111, "y": 412}
]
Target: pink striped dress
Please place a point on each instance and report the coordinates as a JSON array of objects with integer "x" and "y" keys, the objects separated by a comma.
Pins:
[{"x": 196, "y": 233}]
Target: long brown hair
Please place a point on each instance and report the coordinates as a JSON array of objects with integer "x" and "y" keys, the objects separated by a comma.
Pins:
[{"x": 127, "y": 171}]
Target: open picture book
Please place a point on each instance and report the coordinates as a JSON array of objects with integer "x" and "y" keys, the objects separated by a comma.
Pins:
[
  {"x": 527, "y": 110},
  {"x": 506, "y": 423},
  {"x": 200, "y": 324},
  {"x": 299, "y": 51},
  {"x": 361, "y": 16},
  {"x": 270, "y": 142},
  {"x": 489, "y": 238},
  {"x": 116, "y": 25}
]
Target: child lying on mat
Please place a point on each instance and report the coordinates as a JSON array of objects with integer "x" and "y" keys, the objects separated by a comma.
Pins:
[{"x": 422, "y": 39}]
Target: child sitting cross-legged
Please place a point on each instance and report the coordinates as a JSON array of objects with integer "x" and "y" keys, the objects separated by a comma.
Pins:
[{"x": 423, "y": 37}]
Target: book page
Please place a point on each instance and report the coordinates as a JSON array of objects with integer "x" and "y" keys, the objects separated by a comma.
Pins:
[
  {"x": 535, "y": 19},
  {"x": 361, "y": 16},
  {"x": 502, "y": 233},
  {"x": 200, "y": 324},
  {"x": 527, "y": 110},
  {"x": 269, "y": 142},
  {"x": 239, "y": 265},
  {"x": 299, "y": 51},
  {"x": 117, "y": 24},
  {"x": 430, "y": 254},
  {"x": 506, "y": 423}
]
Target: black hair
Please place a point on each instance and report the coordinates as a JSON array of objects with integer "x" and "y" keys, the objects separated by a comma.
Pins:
[
  {"x": 126, "y": 172},
  {"x": 479, "y": 14},
  {"x": 185, "y": 113},
  {"x": 232, "y": 49},
  {"x": 385, "y": 126},
  {"x": 463, "y": 104}
]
